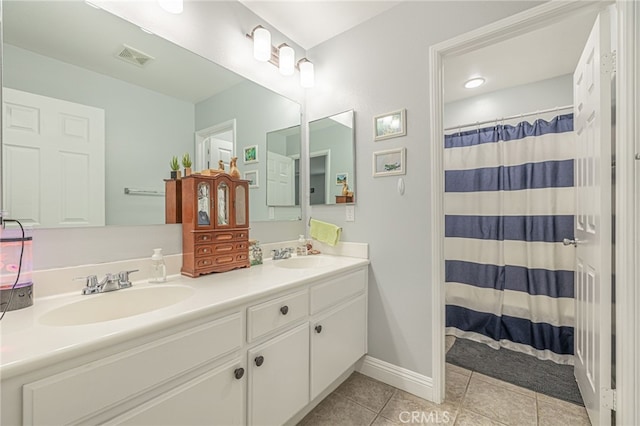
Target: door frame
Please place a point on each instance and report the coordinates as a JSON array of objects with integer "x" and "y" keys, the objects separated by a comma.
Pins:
[
  {"x": 202, "y": 134},
  {"x": 628, "y": 179}
]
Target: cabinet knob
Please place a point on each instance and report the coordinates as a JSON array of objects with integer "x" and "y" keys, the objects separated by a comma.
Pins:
[
  {"x": 284, "y": 310},
  {"x": 238, "y": 373},
  {"x": 318, "y": 329},
  {"x": 259, "y": 360}
]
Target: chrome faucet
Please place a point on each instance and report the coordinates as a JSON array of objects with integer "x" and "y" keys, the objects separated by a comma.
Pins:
[
  {"x": 283, "y": 253},
  {"x": 111, "y": 282}
]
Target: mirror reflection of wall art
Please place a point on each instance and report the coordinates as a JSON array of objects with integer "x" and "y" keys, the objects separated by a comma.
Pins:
[
  {"x": 251, "y": 154},
  {"x": 390, "y": 125},
  {"x": 252, "y": 177},
  {"x": 341, "y": 178},
  {"x": 389, "y": 162}
]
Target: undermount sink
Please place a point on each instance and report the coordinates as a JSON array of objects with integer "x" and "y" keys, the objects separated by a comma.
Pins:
[
  {"x": 115, "y": 305},
  {"x": 303, "y": 262}
]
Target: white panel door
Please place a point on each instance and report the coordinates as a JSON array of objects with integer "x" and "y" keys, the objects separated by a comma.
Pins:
[
  {"x": 211, "y": 151},
  {"x": 280, "y": 180},
  {"x": 53, "y": 161},
  {"x": 592, "y": 124}
]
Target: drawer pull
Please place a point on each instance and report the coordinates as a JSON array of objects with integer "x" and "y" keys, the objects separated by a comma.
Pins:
[
  {"x": 284, "y": 310},
  {"x": 238, "y": 373},
  {"x": 259, "y": 360},
  {"x": 318, "y": 329}
]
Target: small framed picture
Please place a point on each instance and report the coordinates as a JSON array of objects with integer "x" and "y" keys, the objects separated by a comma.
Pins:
[
  {"x": 252, "y": 177},
  {"x": 389, "y": 162},
  {"x": 341, "y": 178},
  {"x": 251, "y": 154},
  {"x": 390, "y": 125}
]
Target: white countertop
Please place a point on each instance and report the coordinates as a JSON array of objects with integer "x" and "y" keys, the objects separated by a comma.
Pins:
[{"x": 26, "y": 344}]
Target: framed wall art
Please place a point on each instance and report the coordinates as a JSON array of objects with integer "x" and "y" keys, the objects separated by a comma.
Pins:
[
  {"x": 389, "y": 125},
  {"x": 389, "y": 162}
]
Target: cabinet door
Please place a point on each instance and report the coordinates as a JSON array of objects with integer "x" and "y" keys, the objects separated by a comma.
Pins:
[
  {"x": 203, "y": 216},
  {"x": 222, "y": 210},
  {"x": 279, "y": 377},
  {"x": 214, "y": 398},
  {"x": 338, "y": 341},
  {"x": 241, "y": 204}
]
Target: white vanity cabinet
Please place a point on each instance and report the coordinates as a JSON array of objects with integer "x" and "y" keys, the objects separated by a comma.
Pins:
[
  {"x": 278, "y": 381},
  {"x": 338, "y": 328},
  {"x": 265, "y": 359},
  {"x": 153, "y": 377}
]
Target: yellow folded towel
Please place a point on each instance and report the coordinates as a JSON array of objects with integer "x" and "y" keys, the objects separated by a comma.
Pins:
[{"x": 325, "y": 232}]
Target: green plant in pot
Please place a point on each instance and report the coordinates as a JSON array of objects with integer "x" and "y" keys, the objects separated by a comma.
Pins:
[
  {"x": 175, "y": 167},
  {"x": 186, "y": 163}
]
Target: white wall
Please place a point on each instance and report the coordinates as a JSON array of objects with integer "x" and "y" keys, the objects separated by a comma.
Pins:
[
  {"x": 537, "y": 96},
  {"x": 382, "y": 66}
]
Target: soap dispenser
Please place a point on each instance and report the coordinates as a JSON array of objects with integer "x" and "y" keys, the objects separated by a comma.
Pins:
[
  {"x": 158, "y": 268},
  {"x": 301, "y": 247}
]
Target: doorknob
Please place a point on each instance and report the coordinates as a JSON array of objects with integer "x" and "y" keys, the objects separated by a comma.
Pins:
[{"x": 568, "y": 242}]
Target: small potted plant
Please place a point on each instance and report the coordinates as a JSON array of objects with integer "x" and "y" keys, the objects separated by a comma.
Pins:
[
  {"x": 186, "y": 163},
  {"x": 175, "y": 168}
]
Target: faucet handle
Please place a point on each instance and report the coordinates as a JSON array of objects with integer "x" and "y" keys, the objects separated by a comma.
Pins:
[
  {"x": 123, "y": 278},
  {"x": 91, "y": 284}
]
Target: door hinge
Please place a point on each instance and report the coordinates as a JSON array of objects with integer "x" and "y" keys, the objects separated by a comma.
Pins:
[
  {"x": 608, "y": 397},
  {"x": 608, "y": 62}
]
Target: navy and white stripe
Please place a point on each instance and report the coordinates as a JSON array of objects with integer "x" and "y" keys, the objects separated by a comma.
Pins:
[{"x": 509, "y": 202}]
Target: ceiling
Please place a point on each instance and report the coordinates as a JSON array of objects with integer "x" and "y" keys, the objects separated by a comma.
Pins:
[{"x": 309, "y": 23}]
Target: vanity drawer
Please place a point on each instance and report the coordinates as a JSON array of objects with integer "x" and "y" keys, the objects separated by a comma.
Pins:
[
  {"x": 63, "y": 398},
  {"x": 204, "y": 250},
  {"x": 273, "y": 314},
  {"x": 329, "y": 293},
  {"x": 240, "y": 235},
  {"x": 223, "y": 236},
  {"x": 203, "y": 237}
]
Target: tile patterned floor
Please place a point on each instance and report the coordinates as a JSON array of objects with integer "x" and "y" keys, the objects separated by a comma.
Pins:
[{"x": 472, "y": 399}]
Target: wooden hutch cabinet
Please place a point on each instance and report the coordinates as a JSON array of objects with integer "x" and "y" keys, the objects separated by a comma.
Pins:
[{"x": 215, "y": 224}]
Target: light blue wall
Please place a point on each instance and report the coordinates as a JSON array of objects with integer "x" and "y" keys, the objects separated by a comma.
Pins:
[
  {"x": 380, "y": 66},
  {"x": 257, "y": 111},
  {"x": 143, "y": 129}
]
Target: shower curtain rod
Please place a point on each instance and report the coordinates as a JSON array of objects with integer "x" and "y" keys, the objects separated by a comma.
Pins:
[{"x": 479, "y": 123}]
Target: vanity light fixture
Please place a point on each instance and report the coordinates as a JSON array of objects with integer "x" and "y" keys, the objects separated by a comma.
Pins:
[
  {"x": 307, "y": 73},
  {"x": 474, "y": 82},
  {"x": 286, "y": 59},
  {"x": 283, "y": 56},
  {"x": 172, "y": 6},
  {"x": 261, "y": 43}
]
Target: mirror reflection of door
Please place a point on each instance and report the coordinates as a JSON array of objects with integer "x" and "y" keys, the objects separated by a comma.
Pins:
[
  {"x": 215, "y": 144},
  {"x": 318, "y": 165}
]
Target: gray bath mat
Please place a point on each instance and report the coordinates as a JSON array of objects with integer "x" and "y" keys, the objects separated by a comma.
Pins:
[{"x": 545, "y": 377}]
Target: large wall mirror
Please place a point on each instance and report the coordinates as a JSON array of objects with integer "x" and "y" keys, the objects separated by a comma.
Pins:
[
  {"x": 332, "y": 162},
  {"x": 93, "y": 104}
]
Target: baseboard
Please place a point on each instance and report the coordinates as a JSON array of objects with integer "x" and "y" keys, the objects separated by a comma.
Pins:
[{"x": 401, "y": 378}]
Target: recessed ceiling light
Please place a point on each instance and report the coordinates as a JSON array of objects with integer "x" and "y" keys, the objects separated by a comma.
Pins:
[{"x": 474, "y": 82}]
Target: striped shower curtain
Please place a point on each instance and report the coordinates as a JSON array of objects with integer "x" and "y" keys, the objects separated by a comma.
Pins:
[{"x": 509, "y": 202}]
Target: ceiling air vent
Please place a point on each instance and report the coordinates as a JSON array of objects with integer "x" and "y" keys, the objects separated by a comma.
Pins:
[{"x": 133, "y": 56}]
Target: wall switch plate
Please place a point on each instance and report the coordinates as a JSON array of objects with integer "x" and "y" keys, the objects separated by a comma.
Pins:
[
  {"x": 350, "y": 213},
  {"x": 272, "y": 213}
]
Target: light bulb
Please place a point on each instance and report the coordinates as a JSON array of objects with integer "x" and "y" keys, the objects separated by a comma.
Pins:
[
  {"x": 261, "y": 44},
  {"x": 287, "y": 59},
  {"x": 307, "y": 75}
]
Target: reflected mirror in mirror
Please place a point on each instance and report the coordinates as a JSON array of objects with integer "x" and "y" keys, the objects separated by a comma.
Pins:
[
  {"x": 332, "y": 160},
  {"x": 283, "y": 171},
  {"x": 118, "y": 104}
]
